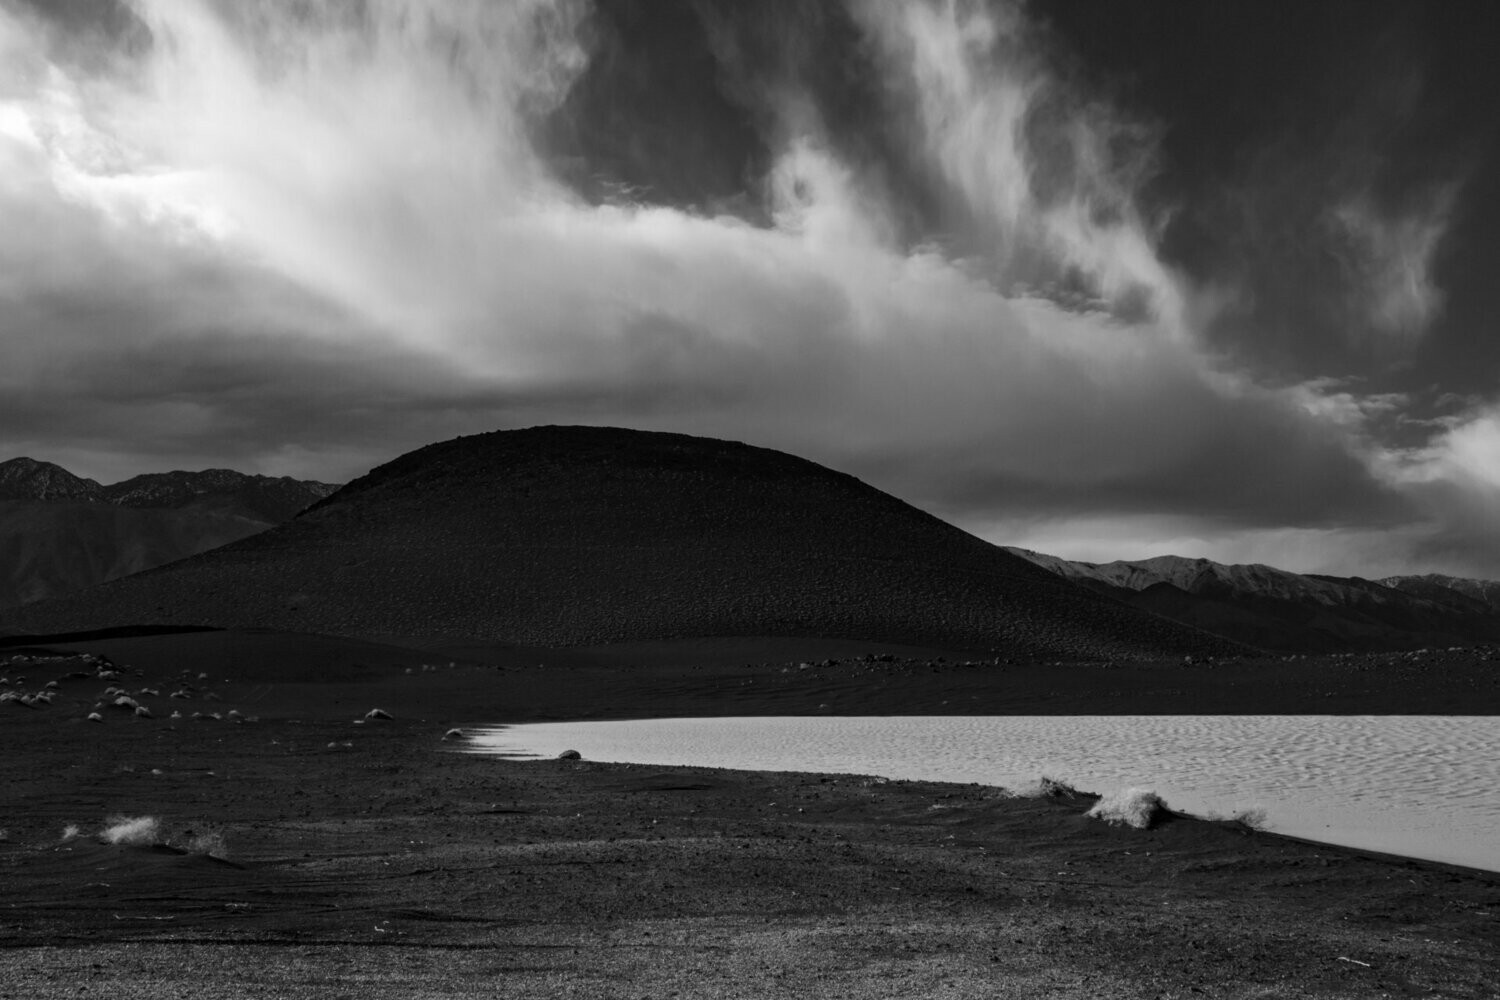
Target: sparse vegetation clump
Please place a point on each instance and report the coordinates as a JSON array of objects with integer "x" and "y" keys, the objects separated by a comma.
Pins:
[
  {"x": 150, "y": 831},
  {"x": 1046, "y": 788},
  {"x": 1134, "y": 807},
  {"x": 131, "y": 831}
]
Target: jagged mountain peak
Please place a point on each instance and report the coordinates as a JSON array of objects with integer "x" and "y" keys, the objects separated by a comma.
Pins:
[{"x": 28, "y": 479}]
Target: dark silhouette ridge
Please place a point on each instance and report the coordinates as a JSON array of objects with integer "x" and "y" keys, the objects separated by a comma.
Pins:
[{"x": 557, "y": 536}]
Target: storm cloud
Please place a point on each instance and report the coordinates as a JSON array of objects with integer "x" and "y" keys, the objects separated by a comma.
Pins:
[{"x": 301, "y": 238}]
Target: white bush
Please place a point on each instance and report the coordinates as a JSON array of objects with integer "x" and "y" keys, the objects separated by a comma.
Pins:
[
  {"x": 1136, "y": 807},
  {"x": 138, "y": 831}
]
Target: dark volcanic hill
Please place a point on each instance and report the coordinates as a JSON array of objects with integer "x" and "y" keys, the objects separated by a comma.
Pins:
[
  {"x": 562, "y": 536},
  {"x": 60, "y": 533},
  {"x": 1276, "y": 609}
]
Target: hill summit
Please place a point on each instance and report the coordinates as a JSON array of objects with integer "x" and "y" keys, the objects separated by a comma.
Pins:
[
  {"x": 28, "y": 479},
  {"x": 561, "y": 536}
]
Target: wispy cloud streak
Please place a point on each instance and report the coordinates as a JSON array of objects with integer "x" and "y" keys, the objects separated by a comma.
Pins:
[{"x": 291, "y": 231}]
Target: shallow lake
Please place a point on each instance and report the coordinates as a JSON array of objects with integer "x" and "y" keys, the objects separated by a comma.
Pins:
[{"x": 1423, "y": 786}]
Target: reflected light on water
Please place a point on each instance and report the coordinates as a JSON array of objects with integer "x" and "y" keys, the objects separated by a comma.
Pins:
[{"x": 1423, "y": 786}]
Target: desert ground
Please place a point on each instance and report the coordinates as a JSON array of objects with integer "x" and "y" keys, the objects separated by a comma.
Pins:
[{"x": 302, "y": 850}]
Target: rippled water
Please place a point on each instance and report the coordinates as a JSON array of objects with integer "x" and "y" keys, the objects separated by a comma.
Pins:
[{"x": 1425, "y": 786}]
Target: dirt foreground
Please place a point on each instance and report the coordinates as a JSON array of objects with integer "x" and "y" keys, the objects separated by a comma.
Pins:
[{"x": 303, "y": 851}]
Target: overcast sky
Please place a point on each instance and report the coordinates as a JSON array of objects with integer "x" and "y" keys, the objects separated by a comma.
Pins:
[{"x": 1106, "y": 279}]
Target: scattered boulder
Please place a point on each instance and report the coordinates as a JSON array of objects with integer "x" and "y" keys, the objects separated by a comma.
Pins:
[
  {"x": 142, "y": 712},
  {"x": 454, "y": 734},
  {"x": 95, "y": 717},
  {"x": 570, "y": 755},
  {"x": 377, "y": 713}
]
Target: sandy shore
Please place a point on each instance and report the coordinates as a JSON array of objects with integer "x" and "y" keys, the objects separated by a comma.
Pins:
[{"x": 305, "y": 855}]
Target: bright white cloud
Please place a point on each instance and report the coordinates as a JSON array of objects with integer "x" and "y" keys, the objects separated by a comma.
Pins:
[{"x": 300, "y": 227}]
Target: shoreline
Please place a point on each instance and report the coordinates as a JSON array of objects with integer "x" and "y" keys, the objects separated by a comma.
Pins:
[
  {"x": 1090, "y": 793},
  {"x": 374, "y": 854},
  {"x": 399, "y": 842}
]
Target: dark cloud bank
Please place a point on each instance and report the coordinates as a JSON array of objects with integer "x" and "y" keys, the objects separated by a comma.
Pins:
[{"x": 1100, "y": 279}]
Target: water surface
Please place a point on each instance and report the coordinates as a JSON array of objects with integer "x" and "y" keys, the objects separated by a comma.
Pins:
[{"x": 1424, "y": 786}]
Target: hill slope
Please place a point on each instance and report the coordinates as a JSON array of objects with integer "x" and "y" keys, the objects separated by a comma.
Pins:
[
  {"x": 575, "y": 535},
  {"x": 1276, "y": 609},
  {"x": 61, "y": 533},
  {"x": 47, "y": 549}
]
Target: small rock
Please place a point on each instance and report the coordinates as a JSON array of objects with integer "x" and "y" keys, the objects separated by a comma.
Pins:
[
  {"x": 570, "y": 755},
  {"x": 454, "y": 734},
  {"x": 377, "y": 713}
]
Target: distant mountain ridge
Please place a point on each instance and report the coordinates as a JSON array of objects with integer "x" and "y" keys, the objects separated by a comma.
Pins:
[
  {"x": 1435, "y": 584},
  {"x": 1278, "y": 609},
  {"x": 266, "y": 498},
  {"x": 28, "y": 479},
  {"x": 60, "y": 532}
]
